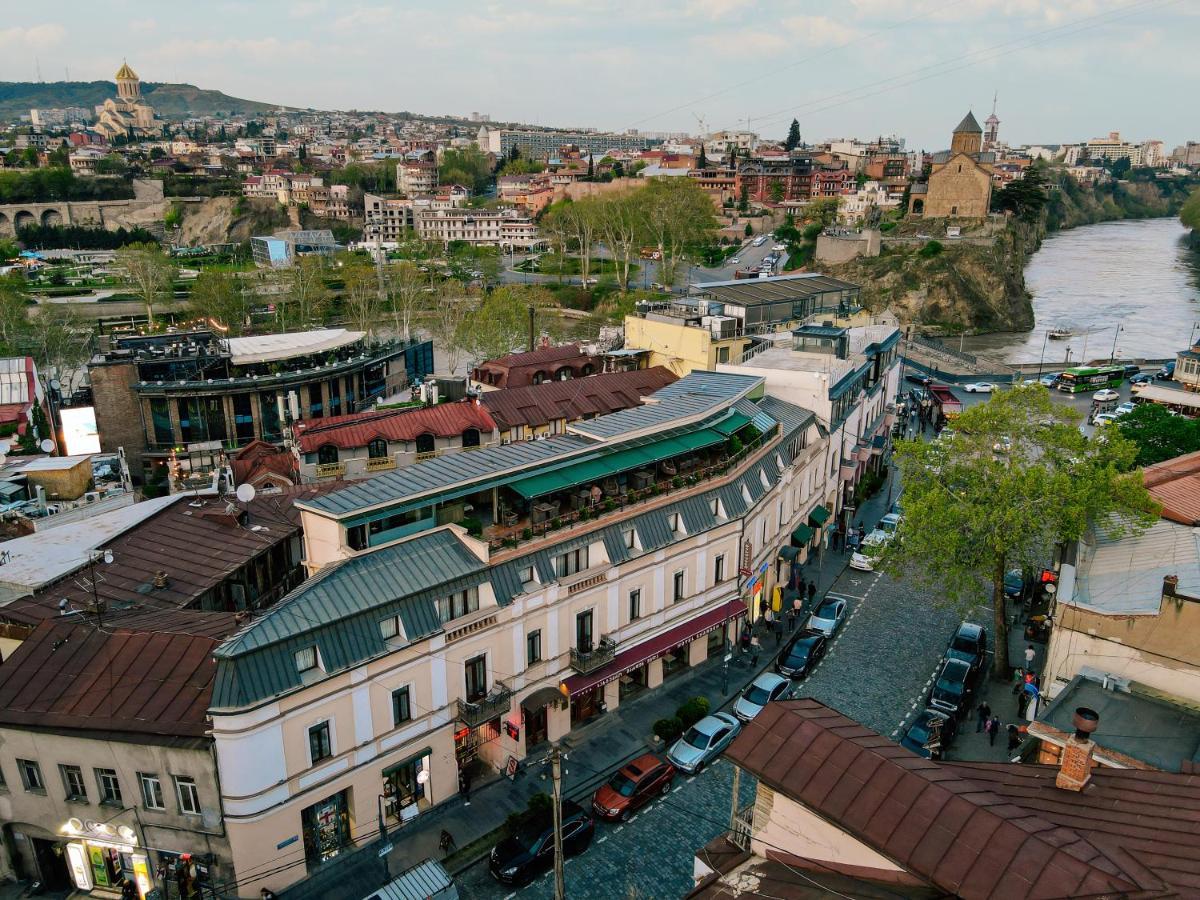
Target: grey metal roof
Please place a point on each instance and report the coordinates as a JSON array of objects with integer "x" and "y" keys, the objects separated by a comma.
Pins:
[
  {"x": 788, "y": 415},
  {"x": 758, "y": 291},
  {"x": 1124, "y": 574},
  {"x": 968, "y": 124}
]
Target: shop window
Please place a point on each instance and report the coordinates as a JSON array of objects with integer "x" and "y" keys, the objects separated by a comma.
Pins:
[
  {"x": 152, "y": 792},
  {"x": 635, "y": 604},
  {"x": 533, "y": 647},
  {"x": 475, "y": 671},
  {"x": 401, "y": 706},
  {"x": 73, "y": 783},
  {"x": 319, "y": 744},
  {"x": 110, "y": 787},
  {"x": 189, "y": 797},
  {"x": 31, "y": 775},
  {"x": 377, "y": 449},
  {"x": 326, "y": 827}
]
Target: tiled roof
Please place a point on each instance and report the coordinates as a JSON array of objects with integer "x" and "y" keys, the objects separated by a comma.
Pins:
[
  {"x": 981, "y": 830},
  {"x": 73, "y": 675},
  {"x": 595, "y": 395},
  {"x": 442, "y": 420},
  {"x": 968, "y": 125},
  {"x": 1175, "y": 483}
]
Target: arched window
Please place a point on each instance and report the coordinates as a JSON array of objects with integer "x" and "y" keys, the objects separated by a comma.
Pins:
[
  {"x": 588, "y": 369},
  {"x": 564, "y": 374},
  {"x": 425, "y": 443},
  {"x": 470, "y": 437},
  {"x": 539, "y": 377},
  {"x": 918, "y": 207},
  {"x": 327, "y": 454},
  {"x": 377, "y": 449}
]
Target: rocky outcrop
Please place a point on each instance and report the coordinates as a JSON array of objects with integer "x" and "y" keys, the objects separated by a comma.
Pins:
[{"x": 221, "y": 220}]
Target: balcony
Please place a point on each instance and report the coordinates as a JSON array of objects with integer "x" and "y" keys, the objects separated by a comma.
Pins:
[
  {"x": 380, "y": 464},
  {"x": 743, "y": 827},
  {"x": 600, "y": 656},
  {"x": 495, "y": 704},
  {"x": 331, "y": 470}
]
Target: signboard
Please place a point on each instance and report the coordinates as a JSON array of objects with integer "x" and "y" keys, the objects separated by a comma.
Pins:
[
  {"x": 80, "y": 434},
  {"x": 141, "y": 874},
  {"x": 77, "y": 862}
]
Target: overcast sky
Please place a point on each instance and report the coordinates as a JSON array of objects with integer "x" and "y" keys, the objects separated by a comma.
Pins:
[{"x": 1065, "y": 70}]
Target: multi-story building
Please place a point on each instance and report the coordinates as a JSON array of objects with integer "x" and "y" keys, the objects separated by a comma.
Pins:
[
  {"x": 775, "y": 180},
  {"x": 388, "y": 218},
  {"x": 332, "y": 202},
  {"x": 542, "y": 144},
  {"x": 1114, "y": 147},
  {"x": 486, "y": 227},
  {"x": 608, "y": 559},
  {"x": 68, "y": 115},
  {"x": 1187, "y": 154},
  {"x": 417, "y": 173},
  {"x": 157, "y": 394},
  {"x": 831, "y": 183},
  {"x": 718, "y": 182},
  {"x": 279, "y": 250}
]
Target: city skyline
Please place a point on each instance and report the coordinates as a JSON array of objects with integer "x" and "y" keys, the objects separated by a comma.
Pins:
[{"x": 859, "y": 71}]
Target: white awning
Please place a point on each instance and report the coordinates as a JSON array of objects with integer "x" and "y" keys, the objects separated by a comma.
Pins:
[{"x": 272, "y": 347}]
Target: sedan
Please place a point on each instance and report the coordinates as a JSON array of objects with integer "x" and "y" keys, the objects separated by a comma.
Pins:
[
  {"x": 1125, "y": 408},
  {"x": 1049, "y": 380},
  {"x": 930, "y": 734},
  {"x": 735, "y": 260},
  {"x": 635, "y": 785},
  {"x": 1106, "y": 394},
  {"x": 765, "y": 688},
  {"x": 951, "y": 692},
  {"x": 703, "y": 742},
  {"x": 518, "y": 859},
  {"x": 918, "y": 378},
  {"x": 828, "y": 617},
  {"x": 1142, "y": 378},
  {"x": 801, "y": 654},
  {"x": 979, "y": 387},
  {"x": 1102, "y": 419}
]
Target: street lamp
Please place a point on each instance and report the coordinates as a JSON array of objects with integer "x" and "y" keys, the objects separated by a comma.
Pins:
[
  {"x": 1042, "y": 357},
  {"x": 1113, "y": 358}
]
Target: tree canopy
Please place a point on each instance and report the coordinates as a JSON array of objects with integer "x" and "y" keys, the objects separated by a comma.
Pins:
[
  {"x": 1189, "y": 215},
  {"x": 1025, "y": 197},
  {"x": 469, "y": 167},
  {"x": 793, "y": 136},
  {"x": 1158, "y": 434}
]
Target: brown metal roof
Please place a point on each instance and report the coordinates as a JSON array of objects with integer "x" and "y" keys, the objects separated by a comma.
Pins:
[
  {"x": 970, "y": 830},
  {"x": 73, "y": 675},
  {"x": 1175, "y": 483},
  {"x": 442, "y": 420},
  {"x": 518, "y": 369},
  {"x": 594, "y": 395}
]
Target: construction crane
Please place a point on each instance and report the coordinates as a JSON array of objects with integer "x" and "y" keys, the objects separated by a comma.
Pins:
[{"x": 703, "y": 125}]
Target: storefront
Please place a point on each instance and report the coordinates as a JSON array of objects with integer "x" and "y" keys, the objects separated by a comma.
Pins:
[
  {"x": 535, "y": 717},
  {"x": 105, "y": 856},
  {"x": 326, "y": 828},
  {"x": 406, "y": 787}
]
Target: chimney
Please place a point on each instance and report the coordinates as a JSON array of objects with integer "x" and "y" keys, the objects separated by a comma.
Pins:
[
  {"x": 1170, "y": 583},
  {"x": 1075, "y": 770}
]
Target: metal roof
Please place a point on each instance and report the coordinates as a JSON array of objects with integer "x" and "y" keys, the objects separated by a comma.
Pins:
[
  {"x": 1125, "y": 574},
  {"x": 269, "y": 347},
  {"x": 757, "y": 291},
  {"x": 358, "y": 430},
  {"x": 969, "y": 125},
  {"x": 541, "y": 404}
]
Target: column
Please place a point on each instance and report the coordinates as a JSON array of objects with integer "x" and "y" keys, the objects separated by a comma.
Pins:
[
  {"x": 558, "y": 721},
  {"x": 612, "y": 695},
  {"x": 654, "y": 673},
  {"x": 698, "y": 651}
]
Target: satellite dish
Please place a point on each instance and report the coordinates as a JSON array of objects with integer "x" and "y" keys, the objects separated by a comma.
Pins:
[
  {"x": 47, "y": 445},
  {"x": 55, "y": 384},
  {"x": 245, "y": 492}
]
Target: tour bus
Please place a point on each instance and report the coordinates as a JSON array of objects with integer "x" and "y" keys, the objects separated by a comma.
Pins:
[{"x": 1084, "y": 379}]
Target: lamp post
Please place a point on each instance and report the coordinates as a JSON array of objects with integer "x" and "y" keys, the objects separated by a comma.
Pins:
[
  {"x": 1042, "y": 357},
  {"x": 1113, "y": 357}
]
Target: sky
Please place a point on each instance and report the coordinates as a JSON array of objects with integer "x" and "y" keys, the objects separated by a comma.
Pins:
[{"x": 1064, "y": 70}]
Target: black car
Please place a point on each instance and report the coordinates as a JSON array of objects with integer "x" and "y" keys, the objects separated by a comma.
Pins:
[
  {"x": 800, "y": 654},
  {"x": 931, "y": 734},
  {"x": 1014, "y": 584},
  {"x": 951, "y": 692},
  {"x": 1132, "y": 369},
  {"x": 919, "y": 378},
  {"x": 518, "y": 859},
  {"x": 969, "y": 644},
  {"x": 1143, "y": 378}
]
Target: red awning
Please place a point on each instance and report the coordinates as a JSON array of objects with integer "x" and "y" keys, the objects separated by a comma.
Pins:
[{"x": 628, "y": 660}]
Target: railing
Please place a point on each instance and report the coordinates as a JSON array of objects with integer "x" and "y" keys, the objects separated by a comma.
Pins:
[
  {"x": 601, "y": 656},
  {"x": 496, "y": 703},
  {"x": 470, "y": 628},
  {"x": 426, "y": 454},
  {"x": 586, "y": 583},
  {"x": 331, "y": 470},
  {"x": 380, "y": 463},
  {"x": 743, "y": 827}
]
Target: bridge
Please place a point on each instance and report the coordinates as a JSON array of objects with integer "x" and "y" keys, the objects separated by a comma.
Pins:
[{"x": 145, "y": 207}]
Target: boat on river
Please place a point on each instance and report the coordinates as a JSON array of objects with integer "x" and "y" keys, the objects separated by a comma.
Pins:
[{"x": 1060, "y": 334}]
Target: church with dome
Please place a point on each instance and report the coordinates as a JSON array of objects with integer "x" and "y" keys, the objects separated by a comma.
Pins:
[{"x": 126, "y": 114}]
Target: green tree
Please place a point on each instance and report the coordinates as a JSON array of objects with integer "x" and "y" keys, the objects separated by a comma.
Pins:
[
  {"x": 500, "y": 324},
  {"x": 13, "y": 305},
  {"x": 362, "y": 301},
  {"x": 453, "y": 312},
  {"x": 1025, "y": 197},
  {"x": 1189, "y": 214},
  {"x": 973, "y": 511},
  {"x": 148, "y": 272},
  {"x": 775, "y": 191},
  {"x": 677, "y": 215},
  {"x": 1158, "y": 434},
  {"x": 469, "y": 167},
  {"x": 221, "y": 298},
  {"x": 748, "y": 230},
  {"x": 702, "y": 159},
  {"x": 793, "y": 136},
  {"x": 405, "y": 285},
  {"x": 1120, "y": 167},
  {"x": 111, "y": 165}
]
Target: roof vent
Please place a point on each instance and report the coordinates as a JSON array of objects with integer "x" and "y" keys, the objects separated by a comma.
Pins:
[
  {"x": 1075, "y": 769},
  {"x": 160, "y": 580}
]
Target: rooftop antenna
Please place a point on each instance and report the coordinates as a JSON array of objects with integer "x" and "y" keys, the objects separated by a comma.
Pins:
[{"x": 995, "y": 96}]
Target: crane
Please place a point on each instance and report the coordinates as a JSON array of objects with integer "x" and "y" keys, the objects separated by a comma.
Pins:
[{"x": 703, "y": 125}]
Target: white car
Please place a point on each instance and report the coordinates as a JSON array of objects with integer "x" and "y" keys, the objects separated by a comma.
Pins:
[
  {"x": 1138, "y": 387},
  {"x": 766, "y": 687},
  {"x": 779, "y": 248},
  {"x": 1101, "y": 419},
  {"x": 979, "y": 387},
  {"x": 864, "y": 558},
  {"x": 703, "y": 742},
  {"x": 1106, "y": 394},
  {"x": 735, "y": 260},
  {"x": 890, "y": 523},
  {"x": 1125, "y": 408},
  {"x": 828, "y": 617}
]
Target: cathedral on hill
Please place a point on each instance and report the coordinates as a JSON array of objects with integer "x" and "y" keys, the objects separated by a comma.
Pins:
[
  {"x": 126, "y": 114},
  {"x": 960, "y": 179}
]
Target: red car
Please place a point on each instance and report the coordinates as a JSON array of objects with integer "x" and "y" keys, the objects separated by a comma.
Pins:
[{"x": 635, "y": 785}]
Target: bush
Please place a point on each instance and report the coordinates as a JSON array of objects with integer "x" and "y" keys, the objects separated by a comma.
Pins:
[
  {"x": 930, "y": 250},
  {"x": 692, "y": 711},
  {"x": 668, "y": 730},
  {"x": 473, "y": 525},
  {"x": 735, "y": 445},
  {"x": 526, "y": 533},
  {"x": 885, "y": 227}
]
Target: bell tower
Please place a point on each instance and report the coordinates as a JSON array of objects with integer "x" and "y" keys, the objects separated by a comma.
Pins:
[
  {"x": 968, "y": 136},
  {"x": 128, "y": 84}
]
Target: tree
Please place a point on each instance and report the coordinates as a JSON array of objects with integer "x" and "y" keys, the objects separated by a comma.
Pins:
[
  {"x": 361, "y": 298},
  {"x": 793, "y": 136},
  {"x": 619, "y": 218},
  {"x": 591, "y": 172},
  {"x": 744, "y": 198},
  {"x": 500, "y": 324},
  {"x": 748, "y": 230},
  {"x": 221, "y": 298},
  {"x": 1189, "y": 215},
  {"x": 775, "y": 191},
  {"x": 469, "y": 167},
  {"x": 13, "y": 305},
  {"x": 306, "y": 292},
  {"x": 1025, "y": 197},
  {"x": 702, "y": 160},
  {"x": 678, "y": 215},
  {"x": 451, "y": 312},
  {"x": 148, "y": 272},
  {"x": 405, "y": 285},
  {"x": 1158, "y": 434},
  {"x": 972, "y": 512},
  {"x": 1120, "y": 167},
  {"x": 59, "y": 340}
]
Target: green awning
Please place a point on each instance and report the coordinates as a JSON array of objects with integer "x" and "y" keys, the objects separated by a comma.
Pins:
[
  {"x": 733, "y": 423},
  {"x": 803, "y": 534},
  {"x": 789, "y": 553},
  {"x": 818, "y": 516}
]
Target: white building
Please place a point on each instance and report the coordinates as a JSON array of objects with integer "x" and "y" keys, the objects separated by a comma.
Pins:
[{"x": 487, "y": 227}]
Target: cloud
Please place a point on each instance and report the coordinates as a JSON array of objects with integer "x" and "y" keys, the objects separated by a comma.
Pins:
[
  {"x": 35, "y": 36},
  {"x": 254, "y": 49},
  {"x": 143, "y": 26},
  {"x": 715, "y": 9},
  {"x": 306, "y": 8},
  {"x": 797, "y": 32}
]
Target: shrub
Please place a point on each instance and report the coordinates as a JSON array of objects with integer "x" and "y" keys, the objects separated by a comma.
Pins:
[
  {"x": 930, "y": 250},
  {"x": 692, "y": 711},
  {"x": 677, "y": 482},
  {"x": 669, "y": 729},
  {"x": 735, "y": 445},
  {"x": 885, "y": 227},
  {"x": 473, "y": 525},
  {"x": 610, "y": 504},
  {"x": 555, "y": 524},
  {"x": 526, "y": 533}
]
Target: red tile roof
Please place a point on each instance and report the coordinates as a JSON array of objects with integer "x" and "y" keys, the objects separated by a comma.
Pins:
[
  {"x": 518, "y": 369},
  {"x": 1175, "y": 483},
  {"x": 258, "y": 458},
  {"x": 348, "y": 432},
  {"x": 594, "y": 395},
  {"x": 981, "y": 830},
  {"x": 72, "y": 675}
]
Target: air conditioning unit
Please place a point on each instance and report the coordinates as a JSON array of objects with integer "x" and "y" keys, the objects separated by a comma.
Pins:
[{"x": 91, "y": 496}]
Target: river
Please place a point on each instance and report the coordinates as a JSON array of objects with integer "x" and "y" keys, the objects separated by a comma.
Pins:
[{"x": 1136, "y": 274}]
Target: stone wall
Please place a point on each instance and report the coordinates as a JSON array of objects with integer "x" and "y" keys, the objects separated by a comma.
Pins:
[
  {"x": 119, "y": 412},
  {"x": 834, "y": 249},
  {"x": 146, "y": 210}
]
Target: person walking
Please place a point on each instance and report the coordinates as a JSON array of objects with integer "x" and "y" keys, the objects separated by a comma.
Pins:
[
  {"x": 1014, "y": 738},
  {"x": 754, "y": 648},
  {"x": 993, "y": 726},
  {"x": 1030, "y": 653},
  {"x": 985, "y": 713},
  {"x": 797, "y": 609},
  {"x": 464, "y": 786},
  {"x": 778, "y": 630},
  {"x": 812, "y": 592}
]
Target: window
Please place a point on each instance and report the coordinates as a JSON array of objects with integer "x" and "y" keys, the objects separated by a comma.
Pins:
[
  {"x": 676, "y": 522},
  {"x": 533, "y": 647},
  {"x": 677, "y": 586},
  {"x": 630, "y": 539},
  {"x": 306, "y": 659},
  {"x": 152, "y": 795},
  {"x": 189, "y": 797},
  {"x": 389, "y": 628},
  {"x": 72, "y": 777},
  {"x": 780, "y": 517},
  {"x": 458, "y": 604},
  {"x": 716, "y": 508},
  {"x": 401, "y": 706},
  {"x": 571, "y": 562},
  {"x": 110, "y": 787},
  {"x": 635, "y": 604},
  {"x": 527, "y": 575},
  {"x": 377, "y": 449},
  {"x": 3, "y": 783},
  {"x": 319, "y": 745},
  {"x": 583, "y": 632},
  {"x": 425, "y": 443},
  {"x": 719, "y": 569},
  {"x": 327, "y": 454},
  {"x": 31, "y": 775},
  {"x": 763, "y": 531},
  {"x": 476, "y": 678},
  {"x": 470, "y": 437}
]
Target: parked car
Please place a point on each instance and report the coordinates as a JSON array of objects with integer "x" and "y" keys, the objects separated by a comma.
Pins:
[
  {"x": 951, "y": 691},
  {"x": 828, "y": 617},
  {"x": 1102, "y": 419},
  {"x": 735, "y": 260},
  {"x": 1014, "y": 584},
  {"x": 979, "y": 387},
  {"x": 703, "y": 742},
  {"x": 1050, "y": 379},
  {"x": 970, "y": 645},
  {"x": 1105, "y": 394},
  {"x": 1125, "y": 408},
  {"x": 921, "y": 730},
  {"x": 632, "y": 787},
  {"x": 1167, "y": 372},
  {"x": 761, "y": 691},
  {"x": 890, "y": 523},
  {"x": 1132, "y": 369},
  {"x": 800, "y": 654},
  {"x": 1136, "y": 387},
  {"x": 529, "y": 851},
  {"x": 779, "y": 248},
  {"x": 1141, "y": 378},
  {"x": 918, "y": 378},
  {"x": 864, "y": 558}
]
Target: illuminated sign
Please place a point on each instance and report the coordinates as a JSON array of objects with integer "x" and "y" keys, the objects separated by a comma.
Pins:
[
  {"x": 141, "y": 874},
  {"x": 77, "y": 862},
  {"x": 79, "y": 429}
]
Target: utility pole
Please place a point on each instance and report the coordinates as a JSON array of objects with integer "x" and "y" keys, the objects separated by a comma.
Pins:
[
  {"x": 733, "y": 811},
  {"x": 556, "y": 778}
]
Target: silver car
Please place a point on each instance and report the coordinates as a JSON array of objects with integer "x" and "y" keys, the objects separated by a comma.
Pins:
[
  {"x": 828, "y": 617},
  {"x": 703, "y": 742},
  {"x": 766, "y": 687}
]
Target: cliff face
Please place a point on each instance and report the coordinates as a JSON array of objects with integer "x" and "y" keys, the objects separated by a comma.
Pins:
[
  {"x": 978, "y": 285},
  {"x": 218, "y": 220}
]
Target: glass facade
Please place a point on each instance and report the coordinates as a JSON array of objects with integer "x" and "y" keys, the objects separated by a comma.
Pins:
[
  {"x": 160, "y": 418},
  {"x": 269, "y": 414},
  {"x": 243, "y": 417},
  {"x": 201, "y": 419}
]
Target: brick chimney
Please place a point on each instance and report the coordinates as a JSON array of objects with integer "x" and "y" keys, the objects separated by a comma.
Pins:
[
  {"x": 1170, "y": 585},
  {"x": 1075, "y": 768}
]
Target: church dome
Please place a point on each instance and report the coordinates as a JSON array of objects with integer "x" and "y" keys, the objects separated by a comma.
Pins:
[{"x": 126, "y": 73}]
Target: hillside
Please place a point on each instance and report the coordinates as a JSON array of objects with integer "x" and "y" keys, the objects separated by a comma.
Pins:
[{"x": 174, "y": 101}]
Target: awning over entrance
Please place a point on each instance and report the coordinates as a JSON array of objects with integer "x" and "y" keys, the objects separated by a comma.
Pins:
[
  {"x": 544, "y": 696},
  {"x": 628, "y": 660},
  {"x": 789, "y": 553},
  {"x": 817, "y": 516},
  {"x": 803, "y": 533}
]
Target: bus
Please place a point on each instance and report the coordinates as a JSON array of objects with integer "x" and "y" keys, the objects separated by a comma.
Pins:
[{"x": 1084, "y": 379}]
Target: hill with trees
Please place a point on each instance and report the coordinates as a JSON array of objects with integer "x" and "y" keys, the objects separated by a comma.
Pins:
[{"x": 168, "y": 100}]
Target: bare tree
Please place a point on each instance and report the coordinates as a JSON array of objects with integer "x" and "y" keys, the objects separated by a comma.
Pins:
[
  {"x": 361, "y": 298},
  {"x": 149, "y": 273},
  {"x": 452, "y": 310},
  {"x": 307, "y": 294},
  {"x": 406, "y": 287},
  {"x": 583, "y": 219},
  {"x": 620, "y": 220}
]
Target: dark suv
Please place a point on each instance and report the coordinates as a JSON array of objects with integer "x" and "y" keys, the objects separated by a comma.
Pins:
[
  {"x": 970, "y": 645},
  {"x": 529, "y": 851},
  {"x": 951, "y": 692}
]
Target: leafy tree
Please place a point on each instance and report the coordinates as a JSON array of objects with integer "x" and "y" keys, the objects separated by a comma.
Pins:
[
  {"x": 1189, "y": 214},
  {"x": 59, "y": 339},
  {"x": 619, "y": 218},
  {"x": 793, "y": 136},
  {"x": 748, "y": 230},
  {"x": 452, "y": 310},
  {"x": 1025, "y": 197},
  {"x": 677, "y": 215},
  {"x": 744, "y": 198},
  {"x": 1120, "y": 167},
  {"x": 221, "y": 298},
  {"x": 1158, "y": 434},
  {"x": 148, "y": 272},
  {"x": 930, "y": 249},
  {"x": 500, "y": 324},
  {"x": 702, "y": 160},
  {"x": 307, "y": 295},
  {"x": 13, "y": 302},
  {"x": 775, "y": 191},
  {"x": 972, "y": 511},
  {"x": 469, "y": 167},
  {"x": 591, "y": 172},
  {"x": 112, "y": 164}
]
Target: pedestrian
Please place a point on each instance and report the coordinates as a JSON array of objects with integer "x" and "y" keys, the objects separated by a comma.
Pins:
[
  {"x": 1030, "y": 653},
  {"x": 812, "y": 592},
  {"x": 266, "y": 894},
  {"x": 464, "y": 786},
  {"x": 797, "y": 608},
  {"x": 993, "y": 726},
  {"x": 745, "y": 638},
  {"x": 754, "y": 648},
  {"x": 1022, "y": 702},
  {"x": 1014, "y": 738},
  {"x": 778, "y": 630},
  {"x": 985, "y": 713},
  {"x": 446, "y": 841},
  {"x": 129, "y": 890},
  {"x": 1018, "y": 681},
  {"x": 862, "y": 532}
]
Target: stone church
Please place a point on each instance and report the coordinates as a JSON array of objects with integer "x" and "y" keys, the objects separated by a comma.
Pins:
[
  {"x": 127, "y": 113},
  {"x": 960, "y": 181}
]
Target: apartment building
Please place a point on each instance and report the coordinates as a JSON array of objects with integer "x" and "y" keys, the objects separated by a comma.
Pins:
[
  {"x": 542, "y": 144},
  {"x": 417, "y": 173},
  {"x": 486, "y": 227},
  {"x": 775, "y": 180},
  {"x": 607, "y": 559}
]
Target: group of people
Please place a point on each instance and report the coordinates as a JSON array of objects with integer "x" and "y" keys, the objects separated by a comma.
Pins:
[
  {"x": 989, "y": 723},
  {"x": 787, "y": 617},
  {"x": 1027, "y": 687}
]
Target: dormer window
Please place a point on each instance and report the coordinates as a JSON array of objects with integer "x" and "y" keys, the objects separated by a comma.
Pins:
[
  {"x": 306, "y": 660},
  {"x": 677, "y": 527},
  {"x": 390, "y": 629},
  {"x": 527, "y": 575},
  {"x": 746, "y": 495}
]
